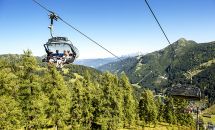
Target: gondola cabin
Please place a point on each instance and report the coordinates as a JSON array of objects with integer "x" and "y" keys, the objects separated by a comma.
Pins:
[
  {"x": 60, "y": 49},
  {"x": 184, "y": 91}
]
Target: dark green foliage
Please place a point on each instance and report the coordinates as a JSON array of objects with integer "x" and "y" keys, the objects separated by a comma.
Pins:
[
  {"x": 182, "y": 117},
  {"x": 147, "y": 108},
  {"x": 81, "y": 70},
  {"x": 160, "y": 106},
  {"x": 81, "y": 104},
  {"x": 31, "y": 97},
  {"x": 10, "y": 113},
  {"x": 108, "y": 102},
  {"x": 129, "y": 102},
  {"x": 8, "y": 82},
  {"x": 175, "y": 112},
  {"x": 170, "y": 115},
  {"x": 58, "y": 98},
  {"x": 205, "y": 81},
  {"x": 111, "y": 102}
]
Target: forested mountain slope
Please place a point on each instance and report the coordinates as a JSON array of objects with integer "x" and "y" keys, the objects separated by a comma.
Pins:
[{"x": 192, "y": 61}]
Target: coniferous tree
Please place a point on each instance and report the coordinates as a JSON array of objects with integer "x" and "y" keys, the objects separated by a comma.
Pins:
[
  {"x": 31, "y": 97},
  {"x": 160, "y": 106},
  {"x": 10, "y": 111},
  {"x": 77, "y": 104},
  {"x": 89, "y": 93},
  {"x": 97, "y": 106},
  {"x": 183, "y": 117},
  {"x": 58, "y": 98},
  {"x": 84, "y": 97},
  {"x": 111, "y": 109},
  {"x": 147, "y": 108},
  {"x": 129, "y": 103},
  {"x": 8, "y": 82},
  {"x": 169, "y": 111}
]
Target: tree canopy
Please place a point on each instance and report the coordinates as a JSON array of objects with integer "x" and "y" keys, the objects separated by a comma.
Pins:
[{"x": 37, "y": 97}]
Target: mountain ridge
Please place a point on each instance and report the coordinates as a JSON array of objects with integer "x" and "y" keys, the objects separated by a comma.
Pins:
[{"x": 149, "y": 70}]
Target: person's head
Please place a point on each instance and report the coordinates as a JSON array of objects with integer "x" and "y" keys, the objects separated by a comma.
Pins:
[
  {"x": 50, "y": 52},
  {"x": 57, "y": 51}
]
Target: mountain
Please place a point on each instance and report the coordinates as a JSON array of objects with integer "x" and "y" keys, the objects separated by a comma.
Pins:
[
  {"x": 97, "y": 62},
  {"x": 94, "y": 62},
  {"x": 192, "y": 61}
]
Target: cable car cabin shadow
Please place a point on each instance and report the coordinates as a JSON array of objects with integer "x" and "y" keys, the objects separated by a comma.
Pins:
[{"x": 60, "y": 51}]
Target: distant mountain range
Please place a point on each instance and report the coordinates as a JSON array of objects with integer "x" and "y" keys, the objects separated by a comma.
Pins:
[{"x": 97, "y": 62}]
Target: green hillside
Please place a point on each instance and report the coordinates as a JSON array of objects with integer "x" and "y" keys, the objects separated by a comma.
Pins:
[
  {"x": 149, "y": 70},
  {"x": 193, "y": 62}
]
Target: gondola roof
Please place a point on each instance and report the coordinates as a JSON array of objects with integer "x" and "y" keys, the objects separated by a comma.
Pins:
[{"x": 184, "y": 91}]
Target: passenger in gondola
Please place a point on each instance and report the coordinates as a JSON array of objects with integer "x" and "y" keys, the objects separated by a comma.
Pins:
[
  {"x": 68, "y": 51},
  {"x": 71, "y": 57},
  {"x": 57, "y": 59},
  {"x": 57, "y": 53},
  {"x": 50, "y": 56},
  {"x": 59, "y": 63},
  {"x": 65, "y": 56},
  {"x": 61, "y": 59}
]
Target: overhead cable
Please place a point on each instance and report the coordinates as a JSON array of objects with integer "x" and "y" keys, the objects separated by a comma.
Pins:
[{"x": 169, "y": 68}]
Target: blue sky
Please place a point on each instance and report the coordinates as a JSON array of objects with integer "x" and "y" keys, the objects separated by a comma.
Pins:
[{"x": 122, "y": 26}]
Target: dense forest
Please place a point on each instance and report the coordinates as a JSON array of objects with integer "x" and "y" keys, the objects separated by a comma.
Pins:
[{"x": 37, "y": 96}]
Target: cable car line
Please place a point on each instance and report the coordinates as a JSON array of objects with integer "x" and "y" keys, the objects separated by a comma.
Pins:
[
  {"x": 153, "y": 14},
  {"x": 157, "y": 21},
  {"x": 74, "y": 28},
  {"x": 42, "y": 6},
  {"x": 89, "y": 38},
  {"x": 169, "y": 68}
]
